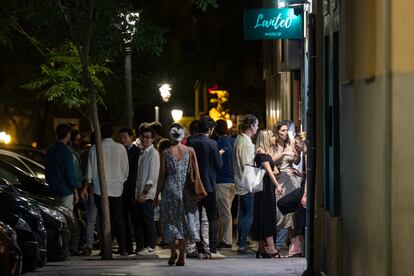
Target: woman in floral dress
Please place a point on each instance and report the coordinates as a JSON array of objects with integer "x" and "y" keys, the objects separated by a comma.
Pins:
[{"x": 178, "y": 206}]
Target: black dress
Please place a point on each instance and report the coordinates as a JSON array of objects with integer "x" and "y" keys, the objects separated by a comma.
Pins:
[{"x": 264, "y": 213}]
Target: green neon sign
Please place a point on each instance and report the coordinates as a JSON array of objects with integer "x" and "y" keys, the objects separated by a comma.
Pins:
[{"x": 273, "y": 24}]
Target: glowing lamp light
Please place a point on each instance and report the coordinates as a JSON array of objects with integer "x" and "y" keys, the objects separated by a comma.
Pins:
[
  {"x": 176, "y": 114},
  {"x": 229, "y": 124},
  {"x": 7, "y": 139},
  {"x": 165, "y": 92},
  {"x": 4, "y": 137},
  {"x": 282, "y": 4}
]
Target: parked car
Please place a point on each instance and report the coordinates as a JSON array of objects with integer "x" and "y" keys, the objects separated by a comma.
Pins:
[
  {"x": 11, "y": 203},
  {"x": 23, "y": 180},
  {"x": 26, "y": 239},
  {"x": 30, "y": 152},
  {"x": 26, "y": 164},
  {"x": 58, "y": 234},
  {"x": 10, "y": 253}
]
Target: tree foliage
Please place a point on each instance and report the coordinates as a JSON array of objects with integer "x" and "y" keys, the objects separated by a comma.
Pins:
[{"x": 61, "y": 80}]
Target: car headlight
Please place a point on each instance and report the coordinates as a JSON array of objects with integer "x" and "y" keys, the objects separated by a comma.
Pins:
[
  {"x": 53, "y": 213},
  {"x": 22, "y": 225}
]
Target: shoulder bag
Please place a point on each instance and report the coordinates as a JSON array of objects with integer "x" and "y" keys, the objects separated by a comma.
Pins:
[
  {"x": 194, "y": 180},
  {"x": 252, "y": 179}
]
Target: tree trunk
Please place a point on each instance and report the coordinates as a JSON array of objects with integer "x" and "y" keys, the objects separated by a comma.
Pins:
[
  {"x": 106, "y": 247},
  {"x": 83, "y": 49}
]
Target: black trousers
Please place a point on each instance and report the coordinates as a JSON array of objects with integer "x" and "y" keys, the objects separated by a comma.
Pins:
[
  {"x": 146, "y": 225},
  {"x": 130, "y": 218},
  {"x": 209, "y": 203},
  {"x": 117, "y": 221},
  {"x": 291, "y": 203}
]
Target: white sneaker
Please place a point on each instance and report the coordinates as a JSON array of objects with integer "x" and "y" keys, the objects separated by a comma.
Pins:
[
  {"x": 147, "y": 252},
  {"x": 151, "y": 251},
  {"x": 216, "y": 256},
  {"x": 143, "y": 252}
]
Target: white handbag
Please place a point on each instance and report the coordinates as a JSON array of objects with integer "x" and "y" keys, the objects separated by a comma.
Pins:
[{"x": 252, "y": 179}]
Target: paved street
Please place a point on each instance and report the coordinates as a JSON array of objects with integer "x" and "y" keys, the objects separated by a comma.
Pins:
[{"x": 150, "y": 265}]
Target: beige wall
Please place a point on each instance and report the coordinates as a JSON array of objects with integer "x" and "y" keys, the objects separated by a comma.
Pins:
[
  {"x": 377, "y": 133},
  {"x": 402, "y": 188},
  {"x": 402, "y": 36}
]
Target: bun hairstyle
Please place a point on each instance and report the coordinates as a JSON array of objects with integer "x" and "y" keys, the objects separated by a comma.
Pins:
[
  {"x": 175, "y": 133},
  {"x": 247, "y": 122}
]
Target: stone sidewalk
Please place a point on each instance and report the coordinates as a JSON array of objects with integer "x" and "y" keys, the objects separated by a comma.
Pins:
[{"x": 152, "y": 265}]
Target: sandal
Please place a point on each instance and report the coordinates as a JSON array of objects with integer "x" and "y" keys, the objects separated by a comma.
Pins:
[
  {"x": 180, "y": 263},
  {"x": 172, "y": 259}
]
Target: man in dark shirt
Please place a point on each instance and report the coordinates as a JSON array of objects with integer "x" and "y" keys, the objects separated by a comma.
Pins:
[
  {"x": 59, "y": 167},
  {"x": 128, "y": 194},
  {"x": 209, "y": 162}
]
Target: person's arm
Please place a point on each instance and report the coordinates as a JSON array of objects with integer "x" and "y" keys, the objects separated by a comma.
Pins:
[
  {"x": 70, "y": 170},
  {"x": 153, "y": 174},
  {"x": 217, "y": 160},
  {"x": 161, "y": 177},
  {"x": 245, "y": 155},
  {"x": 91, "y": 165},
  {"x": 266, "y": 166},
  {"x": 270, "y": 173},
  {"x": 124, "y": 163},
  {"x": 304, "y": 199}
]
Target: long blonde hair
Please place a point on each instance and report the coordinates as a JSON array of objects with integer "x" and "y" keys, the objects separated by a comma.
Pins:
[{"x": 263, "y": 141}]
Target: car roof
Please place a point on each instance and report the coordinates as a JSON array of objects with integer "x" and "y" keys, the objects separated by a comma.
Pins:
[{"x": 14, "y": 154}]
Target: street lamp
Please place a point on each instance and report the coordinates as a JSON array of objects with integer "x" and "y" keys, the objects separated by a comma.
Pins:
[
  {"x": 165, "y": 91},
  {"x": 177, "y": 114},
  {"x": 127, "y": 26}
]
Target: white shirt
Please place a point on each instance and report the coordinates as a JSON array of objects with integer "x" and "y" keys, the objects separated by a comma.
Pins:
[
  {"x": 115, "y": 164},
  {"x": 148, "y": 171},
  {"x": 243, "y": 153}
]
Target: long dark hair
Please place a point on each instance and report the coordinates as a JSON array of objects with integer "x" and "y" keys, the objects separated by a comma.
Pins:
[{"x": 276, "y": 129}]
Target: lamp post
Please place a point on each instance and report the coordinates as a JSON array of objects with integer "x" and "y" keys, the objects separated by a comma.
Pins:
[{"x": 127, "y": 27}]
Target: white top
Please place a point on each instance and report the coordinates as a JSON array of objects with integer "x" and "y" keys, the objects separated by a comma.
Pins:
[
  {"x": 115, "y": 164},
  {"x": 148, "y": 171},
  {"x": 243, "y": 153}
]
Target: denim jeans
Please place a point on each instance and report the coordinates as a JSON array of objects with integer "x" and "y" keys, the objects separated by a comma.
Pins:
[
  {"x": 244, "y": 218},
  {"x": 90, "y": 221},
  {"x": 281, "y": 238}
]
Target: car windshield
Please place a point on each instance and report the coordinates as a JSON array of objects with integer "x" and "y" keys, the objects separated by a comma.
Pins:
[
  {"x": 15, "y": 162},
  {"x": 36, "y": 168},
  {"x": 8, "y": 176}
]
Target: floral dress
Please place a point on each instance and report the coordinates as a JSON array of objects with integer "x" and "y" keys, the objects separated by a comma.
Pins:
[{"x": 179, "y": 209}]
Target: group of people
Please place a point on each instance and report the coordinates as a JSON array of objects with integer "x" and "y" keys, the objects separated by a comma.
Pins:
[{"x": 151, "y": 173}]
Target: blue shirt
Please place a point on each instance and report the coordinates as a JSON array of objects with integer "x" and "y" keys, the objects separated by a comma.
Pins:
[
  {"x": 225, "y": 175},
  {"x": 59, "y": 168}
]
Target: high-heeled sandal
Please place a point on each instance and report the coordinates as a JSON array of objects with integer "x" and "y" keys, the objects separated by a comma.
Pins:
[
  {"x": 263, "y": 255},
  {"x": 172, "y": 259},
  {"x": 275, "y": 255}
]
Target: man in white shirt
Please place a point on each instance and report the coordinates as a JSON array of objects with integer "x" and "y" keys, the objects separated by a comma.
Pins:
[
  {"x": 116, "y": 172},
  {"x": 146, "y": 186},
  {"x": 243, "y": 153}
]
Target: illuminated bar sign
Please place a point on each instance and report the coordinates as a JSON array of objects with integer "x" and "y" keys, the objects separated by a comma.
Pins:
[{"x": 273, "y": 24}]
